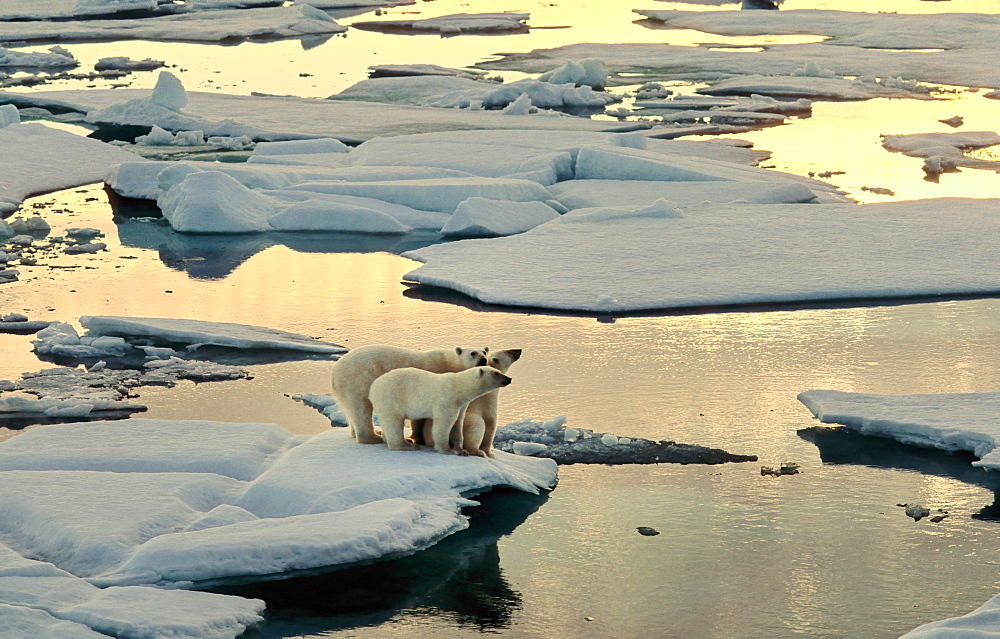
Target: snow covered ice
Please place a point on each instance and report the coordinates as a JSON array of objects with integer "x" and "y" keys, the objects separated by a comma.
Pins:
[
  {"x": 952, "y": 421},
  {"x": 592, "y": 262},
  {"x": 192, "y": 501}
]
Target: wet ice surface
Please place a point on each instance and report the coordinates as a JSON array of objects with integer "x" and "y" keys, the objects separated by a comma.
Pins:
[{"x": 725, "y": 379}]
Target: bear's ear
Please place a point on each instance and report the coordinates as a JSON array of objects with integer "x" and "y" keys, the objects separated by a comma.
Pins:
[
  {"x": 486, "y": 349},
  {"x": 514, "y": 353},
  {"x": 482, "y": 371},
  {"x": 458, "y": 349}
]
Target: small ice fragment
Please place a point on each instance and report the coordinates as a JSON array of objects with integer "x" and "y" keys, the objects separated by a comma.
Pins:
[
  {"x": 647, "y": 531},
  {"x": 99, "y": 366},
  {"x": 556, "y": 423},
  {"x": 520, "y": 106},
  {"x": 14, "y": 317},
  {"x": 571, "y": 434},
  {"x": 528, "y": 448},
  {"x": 609, "y": 440},
  {"x": 954, "y": 121}
]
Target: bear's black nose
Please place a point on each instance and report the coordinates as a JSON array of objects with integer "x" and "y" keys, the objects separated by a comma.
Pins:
[
  {"x": 481, "y": 361},
  {"x": 506, "y": 380}
]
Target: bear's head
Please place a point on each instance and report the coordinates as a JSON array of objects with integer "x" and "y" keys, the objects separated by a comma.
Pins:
[
  {"x": 503, "y": 360},
  {"x": 492, "y": 377},
  {"x": 470, "y": 357}
]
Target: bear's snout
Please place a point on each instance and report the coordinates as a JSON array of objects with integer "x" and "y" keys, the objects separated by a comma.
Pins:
[
  {"x": 481, "y": 361},
  {"x": 504, "y": 380}
]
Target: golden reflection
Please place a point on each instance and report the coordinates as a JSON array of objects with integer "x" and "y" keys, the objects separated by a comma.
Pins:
[{"x": 846, "y": 136}]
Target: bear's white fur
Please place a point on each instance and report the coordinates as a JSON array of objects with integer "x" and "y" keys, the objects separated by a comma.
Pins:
[
  {"x": 354, "y": 373},
  {"x": 480, "y": 423},
  {"x": 412, "y": 393}
]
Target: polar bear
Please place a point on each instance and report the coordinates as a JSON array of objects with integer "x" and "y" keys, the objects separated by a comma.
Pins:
[
  {"x": 413, "y": 393},
  {"x": 354, "y": 373},
  {"x": 480, "y": 423}
]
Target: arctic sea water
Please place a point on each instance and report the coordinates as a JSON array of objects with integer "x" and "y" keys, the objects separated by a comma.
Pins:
[{"x": 825, "y": 553}]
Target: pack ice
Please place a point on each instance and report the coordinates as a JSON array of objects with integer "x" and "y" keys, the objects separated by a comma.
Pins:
[{"x": 83, "y": 533}]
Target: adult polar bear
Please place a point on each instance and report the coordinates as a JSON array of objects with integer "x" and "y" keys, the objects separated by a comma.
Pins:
[
  {"x": 354, "y": 373},
  {"x": 412, "y": 393}
]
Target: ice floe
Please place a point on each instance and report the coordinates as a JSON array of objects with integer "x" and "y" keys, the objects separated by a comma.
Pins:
[
  {"x": 727, "y": 254},
  {"x": 950, "y": 421},
  {"x": 396, "y": 70},
  {"x": 270, "y": 118},
  {"x": 876, "y": 45},
  {"x": 204, "y": 26},
  {"x": 50, "y": 159},
  {"x": 801, "y": 86},
  {"x": 194, "y": 501},
  {"x": 202, "y": 332},
  {"x": 945, "y": 151},
  {"x": 48, "y": 9},
  {"x": 453, "y": 24},
  {"x": 981, "y": 623},
  {"x": 450, "y": 92},
  {"x": 56, "y": 58}
]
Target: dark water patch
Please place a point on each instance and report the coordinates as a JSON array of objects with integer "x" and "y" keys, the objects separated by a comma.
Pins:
[{"x": 459, "y": 579}]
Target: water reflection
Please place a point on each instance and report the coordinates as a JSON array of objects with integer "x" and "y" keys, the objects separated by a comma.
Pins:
[
  {"x": 844, "y": 446},
  {"x": 458, "y": 579},
  {"x": 213, "y": 257}
]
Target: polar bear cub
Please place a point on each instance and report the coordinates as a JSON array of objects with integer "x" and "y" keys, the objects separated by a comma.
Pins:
[
  {"x": 412, "y": 393},
  {"x": 480, "y": 423},
  {"x": 354, "y": 373}
]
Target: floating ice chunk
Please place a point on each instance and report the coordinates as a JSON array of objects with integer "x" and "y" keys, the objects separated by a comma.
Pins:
[
  {"x": 88, "y": 247},
  {"x": 51, "y": 159},
  {"x": 816, "y": 87},
  {"x": 954, "y": 121},
  {"x": 609, "y": 440},
  {"x": 940, "y": 144},
  {"x": 590, "y": 72},
  {"x": 980, "y": 623},
  {"x": 520, "y": 106},
  {"x": 528, "y": 448},
  {"x": 455, "y": 23},
  {"x": 56, "y": 58},
  {"x": 571, "y": 434},
  {"x": 899, "y": 248},
  {"x": 479, "y": 217},
  {"x": 200, "y": 26},
  {"x": 124, "y": 63},
  {"x": 213, "y": 202},
  {"x": 189, "y": 331},
  {"x": 61, "y": 339},
  {"x": 400, "y": 70},
  {"x": 413, "y": 89},
  {"x": 951, "y": 421},
  {"x": 169, "y": 92}
]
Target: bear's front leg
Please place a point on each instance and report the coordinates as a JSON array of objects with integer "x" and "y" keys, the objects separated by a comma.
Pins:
[{"x": 443, "y": 424}]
